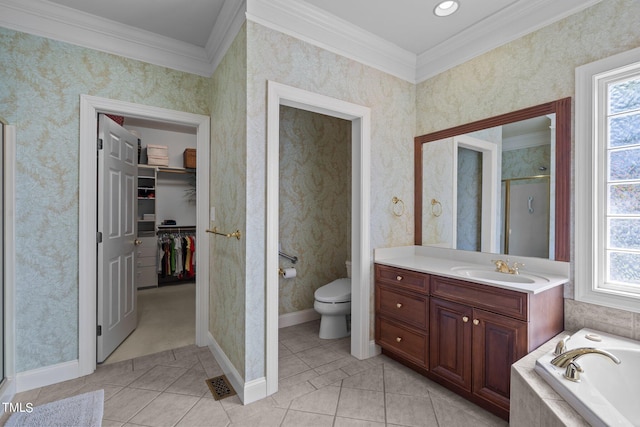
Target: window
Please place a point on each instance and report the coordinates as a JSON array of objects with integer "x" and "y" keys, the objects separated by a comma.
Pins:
[{"x": 607, "y": 211}]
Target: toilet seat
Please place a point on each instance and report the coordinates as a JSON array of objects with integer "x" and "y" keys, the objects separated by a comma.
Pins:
[{"x": 338, "y": 291}]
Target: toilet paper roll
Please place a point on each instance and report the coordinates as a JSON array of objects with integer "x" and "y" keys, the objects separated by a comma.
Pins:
[{"x": 289, "y": 273}]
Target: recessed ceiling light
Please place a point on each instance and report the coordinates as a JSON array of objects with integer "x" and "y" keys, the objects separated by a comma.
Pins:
[{"x": 446, "y": 8}]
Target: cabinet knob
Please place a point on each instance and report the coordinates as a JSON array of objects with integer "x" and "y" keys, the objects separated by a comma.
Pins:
[
  {"x": 398, "y": 278},
  {"x": 476, "y": 322},
  {"x": 398, "y": 339},
  {"x": 465, "y": 319},
  {"x": 399, "y": 305}
]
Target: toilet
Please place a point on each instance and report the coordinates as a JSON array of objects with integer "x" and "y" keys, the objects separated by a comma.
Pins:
[{"x": 333, "y": 303}]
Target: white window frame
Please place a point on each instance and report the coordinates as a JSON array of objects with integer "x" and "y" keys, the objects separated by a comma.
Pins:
[{"x": 590, "y": 191}]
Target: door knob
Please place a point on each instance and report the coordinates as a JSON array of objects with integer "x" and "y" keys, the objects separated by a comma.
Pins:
[
  {"x": 465, "y": 319},
  {"x": 137, "y": 242},
  {"x": 476, "y": 322}
]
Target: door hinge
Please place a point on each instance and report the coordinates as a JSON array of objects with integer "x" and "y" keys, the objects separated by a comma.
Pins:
[
  {"x": 99, "y": 237},
  {"x": 99, "y": 143},
  {"x": 99, "y": 330}
]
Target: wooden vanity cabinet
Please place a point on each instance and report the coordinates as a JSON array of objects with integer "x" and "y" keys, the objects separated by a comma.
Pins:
[
  {"x": 402, "y": 314},
  {"x": 475, "y": 332}
]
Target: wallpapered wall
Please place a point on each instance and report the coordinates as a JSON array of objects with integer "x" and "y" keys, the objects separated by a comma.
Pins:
[
  {"x": 228, "y": 262},
  {"x": 437, "y": 185},
  {"x": 284, "y": 59},
  {"x": 42, "y": 81},
  {"x": 536, "y": 68},
  {"x": 469, "y": 223},
  {"x": 315, "y": 203},
  {"x": 526, "y": 162}
]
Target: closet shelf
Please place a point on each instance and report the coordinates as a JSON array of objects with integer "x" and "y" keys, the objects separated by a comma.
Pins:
[{"x": 171, "y": 169}]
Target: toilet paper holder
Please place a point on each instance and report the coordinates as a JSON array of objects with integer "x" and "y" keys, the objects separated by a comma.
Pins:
[{"x": 287, "y": 273}]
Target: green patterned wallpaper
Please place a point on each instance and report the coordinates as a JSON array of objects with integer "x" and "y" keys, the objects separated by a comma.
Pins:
[{"x": 42, "y": 81}]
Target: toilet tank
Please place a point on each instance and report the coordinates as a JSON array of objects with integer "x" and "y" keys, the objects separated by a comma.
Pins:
[{"x": 348, "y": 264}]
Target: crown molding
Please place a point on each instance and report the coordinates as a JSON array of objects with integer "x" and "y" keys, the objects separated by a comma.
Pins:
[
  {"x": 225, "y": 30},
  {"x": 315, "y": 26},
  {"x": 68, "y": 25},
  {"x": 297, "y": 19},
  {"x": 529, "y": 140},
  {"x": 505, "y": 26}
]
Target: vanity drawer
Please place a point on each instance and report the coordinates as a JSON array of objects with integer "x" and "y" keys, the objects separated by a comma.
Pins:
[
  {"x": 403, "y": 306},
  {"x": 497, "y": 300},
  {"x": 403, "y": 278},
  {"x": 403, "y": 341}
]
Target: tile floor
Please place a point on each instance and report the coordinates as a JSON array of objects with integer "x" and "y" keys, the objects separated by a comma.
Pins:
[{"x": 320, "y": 385}]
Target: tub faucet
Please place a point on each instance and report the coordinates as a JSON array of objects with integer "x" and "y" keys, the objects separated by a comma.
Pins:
[
  {"x": 570, "y": 356},
  {"x": 561, "y": 346}
]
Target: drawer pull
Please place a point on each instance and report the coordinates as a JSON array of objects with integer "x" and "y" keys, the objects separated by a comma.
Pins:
[
  {"x": 476, "y": 322},
  {"x": 465, "y": 319},
  {"x": 398, "y": 339},
  {"x": 398, "y": 278},
  {"x": 399, "y": 305}
]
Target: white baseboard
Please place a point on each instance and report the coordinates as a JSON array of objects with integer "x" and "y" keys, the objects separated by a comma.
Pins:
[
  {"x": 374, "y": 349},
  {"x": 297, "y": 317},
  {"x": 48, "y": 375},
  {"x": 247, "y": 392},
  {"x": 7, "y": 392}
]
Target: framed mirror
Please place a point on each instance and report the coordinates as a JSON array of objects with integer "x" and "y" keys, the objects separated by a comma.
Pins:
[{"x": 499, "y": 185}]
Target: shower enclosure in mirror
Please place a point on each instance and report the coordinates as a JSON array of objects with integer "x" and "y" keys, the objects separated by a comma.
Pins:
[{"x": 501, "y": 184}]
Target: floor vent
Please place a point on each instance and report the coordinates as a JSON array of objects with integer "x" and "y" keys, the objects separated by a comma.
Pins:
[{"x": 220, "y": 387}]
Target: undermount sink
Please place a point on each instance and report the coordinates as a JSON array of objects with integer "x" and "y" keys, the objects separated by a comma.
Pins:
[{"x": 482, "y": 274}]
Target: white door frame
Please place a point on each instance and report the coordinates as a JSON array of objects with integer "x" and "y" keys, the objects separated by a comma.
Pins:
[
  {"x": 360, "y": 116},
  {"x": 90, "y": 106},
  {"x": 490, "y": 183},
  {"x": 9, "y": 388}
]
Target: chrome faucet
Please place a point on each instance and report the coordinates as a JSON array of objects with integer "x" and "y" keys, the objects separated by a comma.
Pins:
[
  {"x": 569, "y": 358},
  {"x": 561, "y": 346},
  {"x": 502, "y": 266},
  {"x": 563, "y": 360}
]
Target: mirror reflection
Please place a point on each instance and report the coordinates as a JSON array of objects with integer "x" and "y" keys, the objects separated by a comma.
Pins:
[{"x": 492, "y": 186}]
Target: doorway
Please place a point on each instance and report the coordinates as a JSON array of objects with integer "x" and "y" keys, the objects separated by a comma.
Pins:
[
  {"x": 89, "y": 109},
  {"x": 315, "y": 207},
  {"x": 164, "y": 223},
  {"x": 361, "y": 254}
]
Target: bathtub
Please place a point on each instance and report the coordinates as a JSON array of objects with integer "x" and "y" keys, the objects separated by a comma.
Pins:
[{"x": 608, "y": 394}]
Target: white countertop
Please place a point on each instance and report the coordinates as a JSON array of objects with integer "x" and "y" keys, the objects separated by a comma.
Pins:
[{"x": 546, "y": 274}]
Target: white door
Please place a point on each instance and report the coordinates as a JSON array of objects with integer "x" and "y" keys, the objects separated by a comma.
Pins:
[{"x": 117, "y": 211}]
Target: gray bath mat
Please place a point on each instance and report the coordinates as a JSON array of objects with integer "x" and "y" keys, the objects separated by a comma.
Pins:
[{"x": 84, "y": 410}]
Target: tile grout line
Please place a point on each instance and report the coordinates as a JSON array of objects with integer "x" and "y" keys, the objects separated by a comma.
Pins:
[
  {"x": 335, "y": 416},
  {"x": 384, "y": 394}
]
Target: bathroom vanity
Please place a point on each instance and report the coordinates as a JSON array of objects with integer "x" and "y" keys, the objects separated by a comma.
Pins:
[{"x": 450, "y": 316}]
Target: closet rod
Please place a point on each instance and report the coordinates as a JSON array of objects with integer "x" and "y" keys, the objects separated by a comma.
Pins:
[{"x": 169, "y": 229}]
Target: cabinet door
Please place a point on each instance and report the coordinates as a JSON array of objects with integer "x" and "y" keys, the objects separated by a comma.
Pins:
[
  {"x": 450, "y": 342},
  {"x": 498, "y": 342}
]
